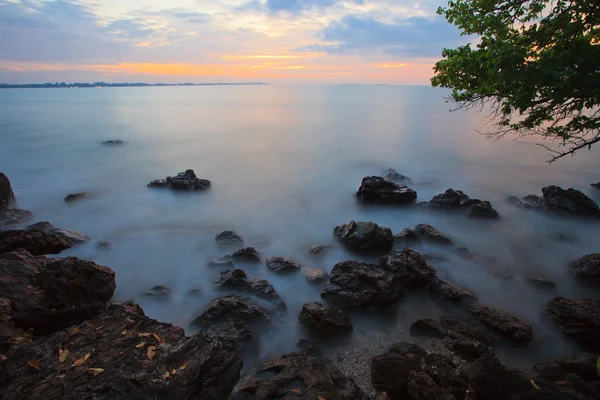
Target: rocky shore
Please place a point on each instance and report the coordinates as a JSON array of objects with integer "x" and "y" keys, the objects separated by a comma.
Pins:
[{"x": 62, "y": 337}]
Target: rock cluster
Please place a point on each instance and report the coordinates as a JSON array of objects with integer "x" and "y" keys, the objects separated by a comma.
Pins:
[
  {"x": 182, "y": 181},
  {"x": 556, "y": 200}
]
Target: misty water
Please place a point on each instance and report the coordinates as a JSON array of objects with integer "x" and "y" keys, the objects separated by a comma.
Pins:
[{"x": 285, "y": 163}]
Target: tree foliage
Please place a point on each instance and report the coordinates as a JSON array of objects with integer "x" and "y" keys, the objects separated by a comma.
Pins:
[{"x": 536, "y": 64}]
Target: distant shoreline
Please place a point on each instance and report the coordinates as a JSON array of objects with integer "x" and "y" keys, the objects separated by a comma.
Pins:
[{"x": 64, "y": 85}]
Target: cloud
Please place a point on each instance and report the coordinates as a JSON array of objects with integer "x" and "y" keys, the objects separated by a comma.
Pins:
[{"x": 295, "y": 6}]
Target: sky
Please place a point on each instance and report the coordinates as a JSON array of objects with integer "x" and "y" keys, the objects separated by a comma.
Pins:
[{"x": 204, "y": 41}]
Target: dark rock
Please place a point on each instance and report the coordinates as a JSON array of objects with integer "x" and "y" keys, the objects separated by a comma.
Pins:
[
  {"x": 182, "y": 181},
  {"x": 460, "y": 330},
  {"x": 480, "y": 209},
  {"x": 320, "y": 250},
  {"x": 595, "y": 185},
  {"x": 450, "y": 199},
  {"x": 225, "y": 261},
  {"x": 298, "y": 376},
  {"x": 410, "y": 267},
  {"x": 196, "y": 291},
  {"x": 393, "y": 175},
  {"x": 7, "y": 196},
  {"x": 247, "y": 254},
  {"x": 113, "y": 142},
  {"x": 421, "y": 386},
  {"x": 428, "y": 233},
  {"x": 352, "y": 284},
  {"x": 199, "y": 367},
  {"x": 587, "y": 268},
  {"x": 450, "y": 292},
  {"x": 390, "y": 371},
  {"x": 76, "y": 196},
  {"x": 238, "y": 281},
  {"x": 43, "y": 226},
  {"x": 564, "y": 237},
  {"x": 515, "y": 201},
  {"x": 407, "y": 235},
  {"x": 579, "y": 319},
  {"x": 14, "y": 216},
  {"x": 365, "y": 237},
  {"x": 158, "y": 292},
  {"x": 505, "y": 324},
  {"x": 467, "y": 349},
  {"x": 375, "y": 189},
  {"x": 229, "y": 239},
  {"x": 348, "y": 389},
  {"x": 540, "y": 282},
  {"x": 569, "y": 201},
  {"x": 317, "y": 317},
  {"x": 427, "y": 327},
  {"x": 282, "y": 264},
  {"x": 35, "y": 242},
  {"x": 445, "y": 374},
  {"x": 49, "y": 294},
  {"x": 311, "y": 346},
  {"x": 75, "y": 236},
  {"x": 315, "y": 276},
  {"x": 103, "y": 244},
  {"x": 583, "y": 364}
]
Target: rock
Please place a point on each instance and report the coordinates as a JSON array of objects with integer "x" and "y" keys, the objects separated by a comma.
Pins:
[
  {"x": 460, "y": 330},
  {"x": 393, "y": 175},
  {"x": 447, "y": 291},
  {"x": 158, "y": 292},
  {"x": 196, "y": 291},
  {"x": 113, "y": 367},
  {"x": 229, "y": 239},
  {"x": 410, "y": 267},
  {"x": 595, "y": 185},
  {"x": 7, "y": 196},
  {"x": 14, "y": 216},
  {"x": 540, "y": 282},
  {"x": 583, "y": 364},
  {"x": 480, "y": 209},
  {"x": 320, "y": 250},
  {"x": 505, "y": 324},
  {"x": 247, "y": 254},
  {"x": 75, "y": 236},
  {"x": 346, "y": 386},
  {"x": 43, "y": 226},
  {"x": 375, "y": 189},
  {"x": 467, "y": 349},
  {"x": 427, "y": 327},
  {"x": 76, "y": 196},
  {"x": 294, "y": 376},
  {"x": 407, "y": 236},
  {"x": 315, "y": 276},
  {"x": 282, "y": 264},
  {"x": 390, "y": 371},
  {"x": 444, "y": 374},
  {"x": 353, "y": 284},
  {"x": 456, "y": 200},
  {"x": 182, "y": 181},
  {"x": 450, "y": 199},
  {"x": 367, "y": 237},
  {"x": 311, "y": 346},
  {"x": 103, "y": 244},
  {"x": 238, "y": 281},
  {"x": 35, "y": 242},
  {"x": 317, "y": 317},
  {"x": 565, "y": 237},
  {"x": 556, "y": 200},
  {"x": 579, "y": 319},
  {"x": 113, "y": 142},
  {"x": 429, "y": 234},
  {"x": 421, "y": 386},
  {"x": 587, "y": 268},
  {"x": 49, "y": 294},
  {"x": 225, "y": 261}
]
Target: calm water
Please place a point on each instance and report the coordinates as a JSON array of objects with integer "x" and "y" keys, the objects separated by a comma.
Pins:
[{"x": 285, "y": 162}]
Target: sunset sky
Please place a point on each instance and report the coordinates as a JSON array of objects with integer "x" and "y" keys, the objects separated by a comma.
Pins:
[{"x": 274, "y": 41}]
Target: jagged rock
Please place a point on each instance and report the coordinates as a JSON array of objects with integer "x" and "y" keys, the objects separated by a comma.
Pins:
[
  {"x": 503, "y": 323},
  {"x": 75, "y": 236},
  {"x": 410, "y": 267},
  {"x": 445, "y": 373},
  {"x": 450, "y": 199},
  {"x": 7, "y": 196},
  {"x": 428, "y": 233},
  {"x": 556, "y": 200},
  {"x": 467, "y": 349},
  {"x": 14, "y": 216},
  {"x": 540, "y": 282},
  {"x": 113, "y": 142},
  {"x": 113, "y": 365},
  {"x": 583, "y": 365},
  {"x": 393, "y": 175},
  {"x": 320, "y": 250},
  {"x": 480, "y": 209},
  {"x": 315, "y": 276},
  {"x": 35, "y": 242},
  {"x": 282, "y": 264},
  {"x": 43, "y": 226},
  {"x": 459, "y": 330},
  {"x": 225, "y": 261},
  {"x": 587, "y": 268},
  {"x": 76, "y": 196},
  {"x": 365, "y": 237},
  {"x": 456, "y": 200},
  {"x": 375, "y": 189},
  {"x": 49, "y": 294},
  {"x": 428, "y": 327},
  {"x": 390, "y": 371},
  {"x": 595, "y": 185},
  {"x": 238, "y": 281},
  {"x": 158, "y": 292},
  {"x": 295, "y": 376},
  {"x": 317, "y": 317},
  {"x": 421, "y": 386},
  {"x": 407, "y": 236},
  {"x": 182, "y": 181},
  {"x": 353, "y": 284},
  {"x": 229, "y": 239},
  {"x": 247, "y": 254},
  {"x": 493, "y": 381},
  {"x": 449, "y": 291},
  {"x": 579, "y": 319}
]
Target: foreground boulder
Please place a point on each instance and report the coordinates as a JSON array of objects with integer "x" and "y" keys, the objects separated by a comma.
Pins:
[
  {"x": 182, "y": 181},
  {"x": 390, "y": 371},
  {"x": 458, "y": 201},
  {"x": 450, "y": 292},
  {"x": 375, "y": 189},
  {"x": 315, "y": 276},
  {"x": 319, "y": 318},
  {"x": 428, "y": 233},
  {"x": 237, "y": 280},
  {"x": 410, "y": 267},
  {"x": 247, "y": 254},
  {"x": 556, "y": 200},
  {"x": 367, "y": 237},
  {"x": 7, "y": 196},
  {"x": 295, "y": 376},
  {"x": 587, "y": 268},
  {"x": 121, "y": 354},
  {"x": 579, "y": 319},
  {"x": 34, "y": 241},
  {"x": 282, "y": 264},
  {"x": 503, "y": 323},
  {"x": 353, "y": 284},
  {"x": 49, "y": 294},
  {"x": 228, "y": 239}
]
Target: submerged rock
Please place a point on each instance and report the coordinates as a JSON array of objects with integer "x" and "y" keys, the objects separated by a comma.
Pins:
[
  {"x": 320, "y": 250},
  {"x": 540, "y": 282},
  {"x": 247, "y": 254},
  {"x": 353, "y": 284},
  {"x": 35, "y": 242},
  {"x": 365, "y": 237},
  {"x": 587, "y": 268},
  {"x": 49, "y": 294},
  {"x": 556, "y": 200},
  {"x": 106, "y": 358},
  {"x": 158, "y": 183},
  {"x": 282, "y": 264},
  {"x": 503, "y": 323},
  {"x": 14, "y": 216},
  {"x": 103, "y": 244},
  {"x": 451, "y": 292},
  {"x": 238, "y": 281},
  {"x": 428, "y": 233},
  {"x": 113, "y": 142},
  {"x": 579, "y": 319},
  {"x": 317, "y": 317},
  {"x": 410, "y": 267},
  {"x": 225, "y": 261},
  {"x": 229, "y": 239},
  {"x": 76, "y": 196},
  {"x": 315, "y": 276},
  {"x": 182, "y": 181},
  {"x": 375, "y": 189},
  {"x": 158, "y": 292},
  {"x": 595, "y": 185},
  {"x": 7, "y": 196},
  {"x": 393, "y": 175}
]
